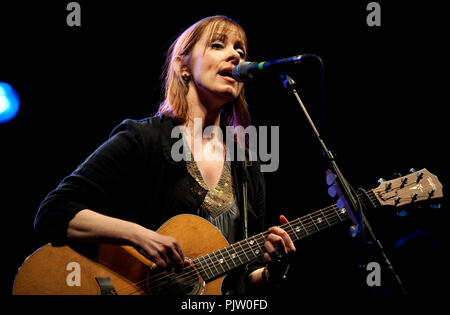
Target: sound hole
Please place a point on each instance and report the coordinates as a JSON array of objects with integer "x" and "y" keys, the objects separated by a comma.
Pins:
[{"x": 168, "y": 282}]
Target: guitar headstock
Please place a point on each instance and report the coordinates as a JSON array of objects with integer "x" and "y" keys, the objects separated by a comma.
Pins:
[{"x": 415, "y": 187}]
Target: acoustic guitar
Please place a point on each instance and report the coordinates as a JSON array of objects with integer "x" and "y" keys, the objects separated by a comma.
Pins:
[{"x": 113, "y": 269}]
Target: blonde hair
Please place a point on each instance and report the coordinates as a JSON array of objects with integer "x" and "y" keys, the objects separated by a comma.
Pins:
[{"x": 175, "y": 103}]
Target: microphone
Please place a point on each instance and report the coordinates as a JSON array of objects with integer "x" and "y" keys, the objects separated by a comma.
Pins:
[{"x": 246, "y": 71}]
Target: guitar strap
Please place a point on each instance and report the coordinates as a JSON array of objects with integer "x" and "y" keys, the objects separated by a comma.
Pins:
[{"x": 245, "y": 164}]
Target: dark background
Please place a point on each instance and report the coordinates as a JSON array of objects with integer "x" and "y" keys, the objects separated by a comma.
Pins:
[{"x": 381, "y": 112}]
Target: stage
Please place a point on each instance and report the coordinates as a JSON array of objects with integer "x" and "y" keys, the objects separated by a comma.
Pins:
[{"x": 380, "y": 107}]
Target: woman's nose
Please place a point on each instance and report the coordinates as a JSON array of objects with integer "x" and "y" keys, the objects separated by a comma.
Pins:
[{"x": 233, "y": 56}]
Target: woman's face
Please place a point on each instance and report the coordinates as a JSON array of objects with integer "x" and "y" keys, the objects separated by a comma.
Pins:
[{"x": 212, "y": 61}]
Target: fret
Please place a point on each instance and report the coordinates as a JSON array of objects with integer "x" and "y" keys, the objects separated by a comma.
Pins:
[
  {"x": 259, "y": 250},
  {"x": 235, "y": 254},
  {"x": 343, "y": 212},
  {"x": 243, "y": 250},
  {"x": 202, "y": 268},
  {"x": 230, "y": 257},
  {"x": 333, "y": 218},
  {"x": 218, "y": 262},
  {"x": 292, "y": 229},
  {"x": 369, "y": 199},
  {"x": 314, "y": 223},
  {"x": 300, "y": 220},
  {"x": 337, "y": 213},
  {"x": 250, "y": 246},
  {"x": 298, "y": 229},
  {"x": 224, "y": 259},
  {"x": 322, "y": 223},
  {"x": 325, "y": 218},
  {"x": 262, "y": 240},
  {"x": 373, "y": 198},
  {"x": 211, "y": 263}
]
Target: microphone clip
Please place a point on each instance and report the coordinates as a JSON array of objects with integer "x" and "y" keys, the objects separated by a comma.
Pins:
[{"x": 287, "y": 80}]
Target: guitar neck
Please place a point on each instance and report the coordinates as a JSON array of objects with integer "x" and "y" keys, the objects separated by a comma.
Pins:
[{"x": 222, "y": 261}]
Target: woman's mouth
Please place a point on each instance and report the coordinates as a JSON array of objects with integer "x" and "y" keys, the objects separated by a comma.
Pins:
[{"x": 226, "y": 75}]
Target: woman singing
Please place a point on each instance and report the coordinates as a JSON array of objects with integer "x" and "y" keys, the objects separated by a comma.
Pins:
[{"x": 132, "y": 183}]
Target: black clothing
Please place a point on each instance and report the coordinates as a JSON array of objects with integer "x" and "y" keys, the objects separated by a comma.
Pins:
[{"x": 132, "y": 176}]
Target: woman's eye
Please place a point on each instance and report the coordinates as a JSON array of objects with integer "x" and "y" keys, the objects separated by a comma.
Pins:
[{"x": 217, "y": 45}]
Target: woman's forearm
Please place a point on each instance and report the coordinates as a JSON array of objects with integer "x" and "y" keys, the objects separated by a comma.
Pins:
[{"x": 91, "y": 226}]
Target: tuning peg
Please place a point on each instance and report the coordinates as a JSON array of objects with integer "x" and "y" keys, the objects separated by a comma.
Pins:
[
  {"x": 402, "y": 213},
  {"x": 404, "y": 181},
  {"x": 397, "y": 174},
  {"x": 431, "y": 193},
  {"x": 381, "y": 180},
  {"x": 412, "y": 170},
  {"x": 419, "y": 176}
]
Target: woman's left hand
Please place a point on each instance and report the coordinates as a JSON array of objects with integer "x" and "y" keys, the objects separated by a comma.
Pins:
[
  {"x": 279, "y": 247},
  {"x": 278, "y": 243}
]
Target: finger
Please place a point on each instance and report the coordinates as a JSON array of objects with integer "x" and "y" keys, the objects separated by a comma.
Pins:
[
  {"x": 287, "y": 241},
  {"x": 283, "y": 219},
  {"x": 270, "y": 248},
  {"x": 154, "y": 257},
  {"x": 163, "y": 257},
  {"x": 274, "y": 245},
  {"x": 151, "y": 255},
  {"x": 279, "y": 237},
  {"x": 267, "y": 258},
  {"x": 178, "y": 259},
  {"x": 179, "y": 250}
]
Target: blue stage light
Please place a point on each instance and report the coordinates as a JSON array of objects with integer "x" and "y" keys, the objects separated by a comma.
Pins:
[{"x": 9, "y": 102}]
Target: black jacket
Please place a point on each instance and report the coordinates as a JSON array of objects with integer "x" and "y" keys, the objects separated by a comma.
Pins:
[{"x": 132, "y": 176}]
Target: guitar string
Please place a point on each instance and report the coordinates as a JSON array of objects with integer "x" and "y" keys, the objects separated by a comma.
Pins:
[
  {"x": 211, "y": 260},
  {"x": 312, "y": 215},
  {"x": 319, "y": 213},
  {"x": 208, "y": 260},
  {"x": 186, "y": 275},
  {"x": 169, "y": 280},
  {"x": 293, "y": 234},
  {"x": 307, "y": 222}
]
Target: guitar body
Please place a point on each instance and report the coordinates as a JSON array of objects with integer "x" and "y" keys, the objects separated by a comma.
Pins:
[{"x": 119, "y": 269}]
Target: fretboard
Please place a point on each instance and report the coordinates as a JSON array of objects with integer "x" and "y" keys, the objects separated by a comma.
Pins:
[{"x": 222, "y": 261}]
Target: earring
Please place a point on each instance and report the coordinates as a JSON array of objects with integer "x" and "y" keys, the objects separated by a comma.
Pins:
[{"x": 186, "y": 78}]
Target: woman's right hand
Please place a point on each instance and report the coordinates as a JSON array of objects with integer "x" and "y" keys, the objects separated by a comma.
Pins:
[{"x": 163, "y": 250}]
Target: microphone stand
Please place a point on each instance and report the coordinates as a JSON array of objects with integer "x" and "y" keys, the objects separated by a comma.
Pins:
[{"x": 348, "y": 191}]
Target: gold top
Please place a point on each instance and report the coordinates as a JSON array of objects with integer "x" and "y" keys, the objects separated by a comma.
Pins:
[{"x": 219, "y": 199}]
